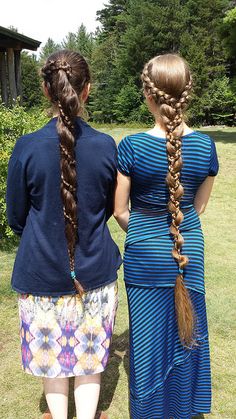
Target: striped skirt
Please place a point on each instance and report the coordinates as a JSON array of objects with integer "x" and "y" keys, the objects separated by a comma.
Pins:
[{"x": 167, "y": 381}]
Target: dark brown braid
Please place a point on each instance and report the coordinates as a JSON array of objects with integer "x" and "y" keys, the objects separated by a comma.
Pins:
[
  {"x": 65, "y": 74},
  {"x": 168, "y": 81}
]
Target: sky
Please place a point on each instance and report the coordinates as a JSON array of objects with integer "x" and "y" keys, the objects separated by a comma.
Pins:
[{"x": 43, "y": 19}]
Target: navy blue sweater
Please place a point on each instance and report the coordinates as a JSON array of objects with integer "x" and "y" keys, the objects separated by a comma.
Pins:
[{"x": 35, "y": 212}]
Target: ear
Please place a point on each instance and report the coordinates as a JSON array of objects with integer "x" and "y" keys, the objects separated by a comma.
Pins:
[
  {"x": 151, "y": 104},
  {"x": 85, "y": 92},
  {"x": 148, "y": 97},
  {"x": 45, "y": 91},
  {"x": 149, "y": 100}
]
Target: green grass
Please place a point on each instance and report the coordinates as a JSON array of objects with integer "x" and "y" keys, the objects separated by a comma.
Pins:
[{"x": 22, "y": 394}]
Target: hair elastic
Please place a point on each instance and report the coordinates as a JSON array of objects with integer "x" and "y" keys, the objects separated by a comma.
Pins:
[{"x": 73, "y": 275}]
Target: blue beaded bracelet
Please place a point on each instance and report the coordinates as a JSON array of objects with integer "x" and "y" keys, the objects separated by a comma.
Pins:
[{"x": 181, "y": 271}]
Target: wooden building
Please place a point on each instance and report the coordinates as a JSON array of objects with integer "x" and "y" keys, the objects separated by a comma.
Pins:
[{"x": 11, "y": 45}]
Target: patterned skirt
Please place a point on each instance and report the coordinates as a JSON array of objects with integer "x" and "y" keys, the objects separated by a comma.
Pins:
[{"x": 66, "y": 336}]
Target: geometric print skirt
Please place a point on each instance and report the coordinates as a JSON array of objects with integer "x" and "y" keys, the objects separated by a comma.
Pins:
[{"x": 67, "y": 336}]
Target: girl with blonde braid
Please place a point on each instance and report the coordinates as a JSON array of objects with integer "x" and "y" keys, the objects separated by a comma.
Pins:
[
  {"x": 167, "y": 173},
  {"x": 60, "y": 194}
]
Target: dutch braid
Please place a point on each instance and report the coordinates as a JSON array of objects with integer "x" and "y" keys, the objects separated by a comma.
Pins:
[
  {"x": 171, "y": 114},
  {"x": 65, "y": 75}
]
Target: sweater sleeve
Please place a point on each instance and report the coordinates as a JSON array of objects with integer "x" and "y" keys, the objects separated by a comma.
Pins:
[
  {"x": 17, "y": 196},
  {"x": 112, "y": 185}
]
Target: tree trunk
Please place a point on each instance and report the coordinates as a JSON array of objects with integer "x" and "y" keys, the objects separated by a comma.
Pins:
[
  {"x": 3, "y": 78},
  {"x": 18, "y": 73},
  {"x": 11, "y": 74}
]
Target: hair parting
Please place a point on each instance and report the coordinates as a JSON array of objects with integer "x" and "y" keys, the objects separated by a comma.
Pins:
[
  {"x": 65, "y": 75},
  {"x": 168, "y": 81}
]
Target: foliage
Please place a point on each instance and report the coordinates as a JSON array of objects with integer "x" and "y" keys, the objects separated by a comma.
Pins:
[
  {"x": 105, "y": 84},
  {"x": 32, "y": 92},
  {"x": 48, "y": 49},
  {"x": 186, "y": 27},
  {"x": 108, "y": 16},
  {"x": 81, "y": 41},
  {"x": 13, "y": 123},
  {"x": 127, "y": 103},
  {"x": 229, "y": 31},
  {"x": 130, "y": 33},
  {"x": 13, "y": 28},
  {"x": 220, "y": 102}
]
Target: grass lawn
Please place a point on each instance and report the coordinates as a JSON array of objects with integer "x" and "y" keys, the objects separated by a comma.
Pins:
[{"x": 22, "y": 395}]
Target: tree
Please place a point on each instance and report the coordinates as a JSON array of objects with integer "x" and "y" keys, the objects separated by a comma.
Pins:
[
  {"x": 70, "y": 42},
  {"x": 229, "y": 30},
  {"x": 221, "y": 102},
  {"x": 141, "y": 29},
  {"x": 31, "y": 84},
  {"x": 13, "y": 28},
  {"x": 48, "y": 49},
  {"x": 81, "y": 41},
  {"x": 202, "y": 47},
  {"x": 127, "y": 103},
  {"x": 85, "y": 42},
  {"x": 109, "y": 14},
  {"x": 133, "y": 31},
  {"x": 105, "y": 82}
]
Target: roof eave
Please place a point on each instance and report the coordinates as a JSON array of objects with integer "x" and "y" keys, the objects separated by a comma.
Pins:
[{"x": 26, "y": 42}]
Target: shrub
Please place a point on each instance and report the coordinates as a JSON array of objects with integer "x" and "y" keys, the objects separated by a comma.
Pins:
[
  {"x": 143, "y": 115},
  {"x": 31, "y": 82},
  {"x": 127, "y": 103},
  {"x": 220, "y": 102},
  {"x": 13, "y": 123}
]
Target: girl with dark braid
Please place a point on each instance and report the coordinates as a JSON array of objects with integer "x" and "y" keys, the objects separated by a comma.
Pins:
[
  {"x": 60, "y": 196},
  {"x": 168, "y": 174}
]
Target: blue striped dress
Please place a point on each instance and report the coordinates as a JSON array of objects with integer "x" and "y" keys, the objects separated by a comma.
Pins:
[{"x": 167, "y": 380}]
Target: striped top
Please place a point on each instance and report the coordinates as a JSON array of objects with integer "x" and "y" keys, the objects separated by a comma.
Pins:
[{"x": 143, "y": 157}]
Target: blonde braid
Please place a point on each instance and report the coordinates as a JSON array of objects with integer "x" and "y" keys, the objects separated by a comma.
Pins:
[
  {"x": 152, "y": 90},
  {"x": 171, "y": 113}
]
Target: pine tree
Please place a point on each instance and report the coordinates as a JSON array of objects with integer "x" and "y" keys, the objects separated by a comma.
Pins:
[
  {"x": 81, "y": 41},
  {"x": 49, "y": 47},
  {"x": 141, "y": 29}
]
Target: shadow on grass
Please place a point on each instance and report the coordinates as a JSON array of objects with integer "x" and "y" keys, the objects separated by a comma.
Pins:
[
  {"x": 221, "y": 136},
  {"x": 110, "y": 378},
  {"x": 9, "y": 245}
]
